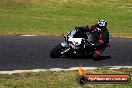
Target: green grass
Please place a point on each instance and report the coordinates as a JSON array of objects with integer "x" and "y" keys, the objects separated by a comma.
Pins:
[
  {"x": 56, "y": 17},
  {"x": 57, "y": 79}
]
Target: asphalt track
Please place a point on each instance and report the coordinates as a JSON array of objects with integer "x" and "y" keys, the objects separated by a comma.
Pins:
[{"x": 27, "y": 53}]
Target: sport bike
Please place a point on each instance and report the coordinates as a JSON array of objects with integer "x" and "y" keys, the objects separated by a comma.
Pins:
[{"x": 74, "y": 45}]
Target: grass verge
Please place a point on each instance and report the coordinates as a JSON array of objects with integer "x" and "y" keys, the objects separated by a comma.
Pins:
[
  {"x": 55, "y": 17},
  {"x": 64, "y": 79}
]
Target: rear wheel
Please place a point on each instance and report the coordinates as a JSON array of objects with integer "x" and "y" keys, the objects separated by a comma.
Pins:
[{"x": 56, "y": 51}]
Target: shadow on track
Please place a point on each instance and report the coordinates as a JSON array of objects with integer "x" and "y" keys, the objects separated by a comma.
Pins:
[{"x": 89, "y": 57}]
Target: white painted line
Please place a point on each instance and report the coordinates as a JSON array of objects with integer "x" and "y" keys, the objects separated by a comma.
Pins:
[
  {"x": 28, "y": 35},
  {"x": 60, "y": 69},
  {"x": 21, "y": 71},
  {"x": 119, "y": 67}
]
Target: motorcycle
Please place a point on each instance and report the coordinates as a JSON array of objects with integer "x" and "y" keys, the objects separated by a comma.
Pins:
[{"x": 73, "y": 45}]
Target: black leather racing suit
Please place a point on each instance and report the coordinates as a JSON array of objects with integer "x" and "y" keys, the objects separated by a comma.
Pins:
[{"x": 102, "y": 38}]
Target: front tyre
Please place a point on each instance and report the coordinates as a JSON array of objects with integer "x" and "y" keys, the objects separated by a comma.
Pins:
[{"x": 56, "y": 51}]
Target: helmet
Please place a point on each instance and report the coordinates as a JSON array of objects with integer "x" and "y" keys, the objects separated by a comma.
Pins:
[{"x": 101, "y": 24}]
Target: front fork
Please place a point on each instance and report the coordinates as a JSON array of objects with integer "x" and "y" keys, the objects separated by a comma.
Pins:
[{"x": 66, "y": 47}]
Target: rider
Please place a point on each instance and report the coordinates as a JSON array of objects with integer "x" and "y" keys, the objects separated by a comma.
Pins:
[{"x": 102, "y": 36}]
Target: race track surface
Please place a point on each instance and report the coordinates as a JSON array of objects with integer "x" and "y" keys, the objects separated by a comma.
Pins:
[{"x": 23, "y": 53}]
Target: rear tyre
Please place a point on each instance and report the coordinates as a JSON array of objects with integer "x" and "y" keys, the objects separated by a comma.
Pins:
[{"x": 56, "y": 51}]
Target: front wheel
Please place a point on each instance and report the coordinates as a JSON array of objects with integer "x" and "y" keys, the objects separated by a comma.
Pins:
[{"x": 56, "y": 51}]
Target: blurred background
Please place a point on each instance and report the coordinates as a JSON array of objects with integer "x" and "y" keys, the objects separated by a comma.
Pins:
[{"x": 56, "y": 17}]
